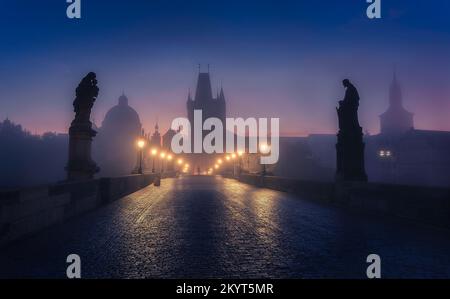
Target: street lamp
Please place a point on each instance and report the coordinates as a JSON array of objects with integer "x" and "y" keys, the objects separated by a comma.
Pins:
[
  {"x": 162, "y": 155},
  {"x": 240, "y": 153},
  {"x": 186, "y": 168},
  {"x": 153, "y": 152},
  {"x": 140, "y": 144},
  {"x": 179, "y": 162},
  {"x": 264, "y": 148}
]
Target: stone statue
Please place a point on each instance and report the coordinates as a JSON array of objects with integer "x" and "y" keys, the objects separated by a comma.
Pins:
[
  {"x": 86, "y": 94},
  {"x": 350, "y": 146},
  {"x": 348, "y": 107},
  {"x": 80, "y": 165}
]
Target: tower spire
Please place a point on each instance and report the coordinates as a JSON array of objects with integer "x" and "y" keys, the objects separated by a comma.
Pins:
[
  {"x": 221, "y": 95},
  {"x": 395, "y": 92}
]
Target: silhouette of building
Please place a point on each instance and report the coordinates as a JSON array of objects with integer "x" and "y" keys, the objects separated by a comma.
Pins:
[
  {"x": 210, "y": 107},
  {"x": 204, "y": 100},
  {"x": 115, "y": 144},
  {"x": 396, "y": 119},
  {"x": 416, "y": 157},
  {"x": 399, "y": 154},
  {"x": 403, "y": 155},
  {"x": 167, "y": 139},
  {"x": 155, "y": 139}
]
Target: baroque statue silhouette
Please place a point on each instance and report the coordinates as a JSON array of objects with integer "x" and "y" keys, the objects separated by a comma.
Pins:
[
  {"x": 86, "y": 94},
  {"x": 80, "y": 165},
  {"x": 350, "y": 146}
]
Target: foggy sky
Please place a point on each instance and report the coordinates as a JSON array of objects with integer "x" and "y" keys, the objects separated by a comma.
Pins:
[{"x": 273, "y": 58}]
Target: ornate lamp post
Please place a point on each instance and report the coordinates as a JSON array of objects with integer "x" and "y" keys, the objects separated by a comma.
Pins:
[
  {"x": 228, "y": 159},
  {"x": 163, "y": 156},
  {"x": 140, "y": 144},
  {"x": 153, "y": 152},
  {"x": 264, "y": 148},
  {"x": 233, "y": 158},
  {"x": 240, "y": 153},
  {"x": 179, "y": 162}
]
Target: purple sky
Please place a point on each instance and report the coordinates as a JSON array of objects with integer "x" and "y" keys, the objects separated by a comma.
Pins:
[{"x": 273, "y": 60}]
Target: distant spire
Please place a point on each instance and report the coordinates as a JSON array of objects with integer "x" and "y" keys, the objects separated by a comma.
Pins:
[
  {"x": 222, "y": 95},
  {"x": 123, "y": 100},
  {"x": 156, "y": 125},
  {"x": 395, "y": 92}
]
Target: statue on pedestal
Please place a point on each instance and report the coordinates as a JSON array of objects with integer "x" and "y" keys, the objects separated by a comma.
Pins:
[
  {"x": 80, "y": 165},
  {"x": 350, "y": 146}
]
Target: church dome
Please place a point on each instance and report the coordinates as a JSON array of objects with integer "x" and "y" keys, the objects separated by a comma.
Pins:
[
  {"x": 122, "y": 115},
  {"x": 114, "y": 147}
]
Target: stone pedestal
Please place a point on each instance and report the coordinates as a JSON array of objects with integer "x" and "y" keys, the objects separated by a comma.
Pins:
[
  {"x": 350, "y": 156},
  {"x": 350, "y": 145},
  {"x": 80, "y": 165}
]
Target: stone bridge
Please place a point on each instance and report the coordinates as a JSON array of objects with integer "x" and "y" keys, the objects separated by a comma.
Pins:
[{"x": 218, "y": 227}]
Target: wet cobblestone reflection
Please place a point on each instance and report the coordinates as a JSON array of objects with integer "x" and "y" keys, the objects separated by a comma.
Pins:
[{"x": 211, "y": 227}]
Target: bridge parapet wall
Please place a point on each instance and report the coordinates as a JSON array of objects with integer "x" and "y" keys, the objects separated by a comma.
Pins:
[
  {"x": 429, "y": 205},
  {"x": 25, "y": 211}
]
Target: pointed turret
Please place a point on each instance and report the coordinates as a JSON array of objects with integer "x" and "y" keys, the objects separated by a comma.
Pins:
[
  {"x": 123, "y": 100},
  {"x": 221, "y": 96},
  {"x": 395, "y": 93},
  {"x": 203, "y": 93},
  {"x": 155, "y": 140},
  {"x": 189, "y": 96},
  {"x": 396, "y": 119}
]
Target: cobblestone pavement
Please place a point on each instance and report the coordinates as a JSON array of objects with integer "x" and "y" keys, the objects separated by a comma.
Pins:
[{"x": 212, "y": 227}]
